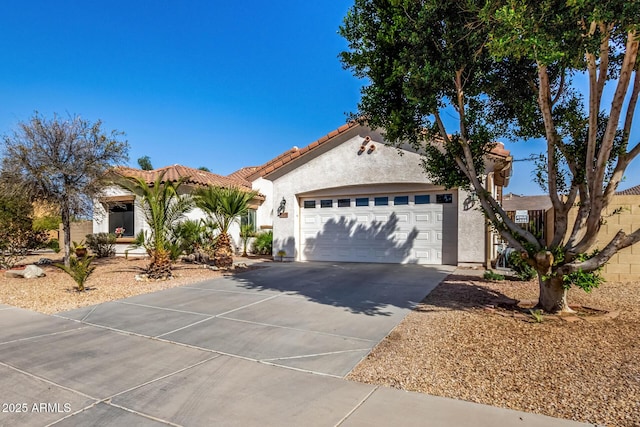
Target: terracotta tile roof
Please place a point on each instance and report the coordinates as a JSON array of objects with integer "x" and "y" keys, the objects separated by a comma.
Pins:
[
  {"x": 175, "y": 172},
  {"x": 633, "y": 191},
  {"x": 242, "y": 174},
  {"x": 296, "y": 152}
]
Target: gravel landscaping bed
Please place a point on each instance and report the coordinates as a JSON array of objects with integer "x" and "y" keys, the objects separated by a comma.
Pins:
[
  {"x": 114, "y": 278},
  {"x": 454, "y": 345}
]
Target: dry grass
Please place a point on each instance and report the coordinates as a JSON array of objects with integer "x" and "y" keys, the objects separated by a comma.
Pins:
[
  {"x": 114, "y": 278},
  {"x": 452, "y": 346}
]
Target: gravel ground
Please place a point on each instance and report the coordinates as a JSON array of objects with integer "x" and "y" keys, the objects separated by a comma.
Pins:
[
  {"x": 114, "y": 278},
  {"x": 451, "y": 345}
]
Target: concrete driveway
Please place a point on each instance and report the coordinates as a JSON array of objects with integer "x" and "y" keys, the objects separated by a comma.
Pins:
[{"x": 266, "y": 347}]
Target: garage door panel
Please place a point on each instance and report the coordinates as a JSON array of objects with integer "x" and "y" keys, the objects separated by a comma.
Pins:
[{"x": 402, "y": 234}]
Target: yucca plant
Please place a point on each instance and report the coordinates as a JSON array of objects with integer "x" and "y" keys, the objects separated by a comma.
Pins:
[
  {"x": 224, "y": 205},
  {"x": 79, "y": 269},
  {"x": 163, "y": 208}
]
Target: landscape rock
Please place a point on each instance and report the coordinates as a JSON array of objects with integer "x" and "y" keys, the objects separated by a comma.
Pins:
[
  {"x": 14, "y": 274},
  {"x": 33, "y": 272},
  {"x": 44, "y": 261}
]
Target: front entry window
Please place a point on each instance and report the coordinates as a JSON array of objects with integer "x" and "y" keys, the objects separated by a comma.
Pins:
[{"x": 121, "y": 217}]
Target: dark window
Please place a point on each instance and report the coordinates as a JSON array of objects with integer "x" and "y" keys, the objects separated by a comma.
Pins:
[
  {"x": 362, "y": 201},
  {"x": 121, "y": 216},
  {"x": 444, "y": 198},
  {"x": 401, "y": 200},
  {"x": 326, "y": 203},
  {"x": 344, "y": 203},
  {"x": 381, "y": 201},
  {"x": 249, "y": 219},
  {"x": 423, "y": 200},
  {"x": 309, "y": 204}
]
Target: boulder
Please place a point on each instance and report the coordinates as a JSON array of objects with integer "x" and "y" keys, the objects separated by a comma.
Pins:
[{"x": 32, "y": 272}]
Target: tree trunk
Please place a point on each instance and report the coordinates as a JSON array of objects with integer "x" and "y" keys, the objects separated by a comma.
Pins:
[
  {"x": 223, "y": 251},
  {"x": 553, "y": 295},
  {"x": 66, "y": 228}
]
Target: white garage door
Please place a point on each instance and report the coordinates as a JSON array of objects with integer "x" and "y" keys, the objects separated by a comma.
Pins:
[{"x": 385, "y": 229}]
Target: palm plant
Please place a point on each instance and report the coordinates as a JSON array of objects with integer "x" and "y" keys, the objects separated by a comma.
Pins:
[
  {"x": 224, "y": 205},
  {"x": 246, "y": 232},
  {"x": 79, "y": 269},
  {"x": 163, "y": 208}
]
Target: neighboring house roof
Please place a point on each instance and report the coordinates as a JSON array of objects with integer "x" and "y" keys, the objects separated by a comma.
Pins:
[
  {"x": 242, "y": 174},
  {"x": 633, "y": 191},
  {"x": 175, "y": 172},
  {"x": 514, "y": 202}
]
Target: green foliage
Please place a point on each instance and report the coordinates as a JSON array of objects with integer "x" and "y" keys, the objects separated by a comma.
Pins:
[
  {"x": 163, "y": 208},
  {"x": 522, "y": 269},
  {"x": 225, "y": 205},
  {"x": 78, "y": 245},
  {"x": 145, "y": 163},
  {"x": 263, "y": 244},
  {"x": 492, "y": 275},
  {"x": 246, "y": 232},
  {"x": 537, "y": 315},
  {"x": 79, "y": 269},
  {"x": 54, "y": 245},
  {"x": 17, "y": 236},
  {"x": 585, "y": 280},
  {"x": 102, "y": 244},
  {"x": 47, "y": 223}
]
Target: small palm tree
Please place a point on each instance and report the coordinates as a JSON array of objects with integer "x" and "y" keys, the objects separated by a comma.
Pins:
[
  {"x": 79, "y": 269},
  {"x": 246, "y": 232},
  {"x": 225, "y": 205},
  {"x": 163, "y": 208}
]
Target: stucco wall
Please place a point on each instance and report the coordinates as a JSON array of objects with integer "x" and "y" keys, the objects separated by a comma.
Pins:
[
  {"x": 472, "y": 221},
  {"x": 337, "y": 168}
]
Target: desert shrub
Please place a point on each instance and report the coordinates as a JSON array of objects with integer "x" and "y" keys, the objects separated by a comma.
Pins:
[
  {"x": 263, "y": 243},
  {"x": 54, "y": 245},
  {"x": 523, "y": 270},
  {"x": 79, "y": 269},
  {"x": 102, "y": 244},
  {"x": 492, "y": 275},
  {"x": 16, "y": 242}
]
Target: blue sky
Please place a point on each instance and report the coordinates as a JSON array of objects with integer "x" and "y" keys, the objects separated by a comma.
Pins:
[{"x": 200, "y": 83}]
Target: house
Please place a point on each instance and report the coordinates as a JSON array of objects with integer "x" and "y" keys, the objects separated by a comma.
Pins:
[
  {"x": 117, "y": 207},
  {"x": 350, "y": 197},
  {"x": 346, "y": 197}
]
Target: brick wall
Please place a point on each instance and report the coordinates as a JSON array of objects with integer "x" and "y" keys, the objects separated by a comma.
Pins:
[
  {"x": 625, "y": 265},
  {"x": 79, "y": 231}
]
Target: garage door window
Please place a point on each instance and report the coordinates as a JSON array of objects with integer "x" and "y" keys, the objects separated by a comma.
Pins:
[
  {"x": 309, "y": 204},
  {"x": 381, "y": 201},
  {"x": 344, "y": 203},
  {"x": 422, "y": 200},
  {"x": 401, "y": 200},
  {"x": 444, "y": 198},
  {"x": 362, "y": 201},
  {"x": 326, "y": 203}
]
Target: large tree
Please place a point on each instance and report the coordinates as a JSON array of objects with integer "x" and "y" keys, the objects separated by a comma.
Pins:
[
  {"x": 511, "y": 69},
  {"x": 61, "y": 161}
]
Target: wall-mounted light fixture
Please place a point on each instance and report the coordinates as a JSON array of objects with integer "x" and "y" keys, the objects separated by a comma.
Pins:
[{"x": 282, "y": 207}]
